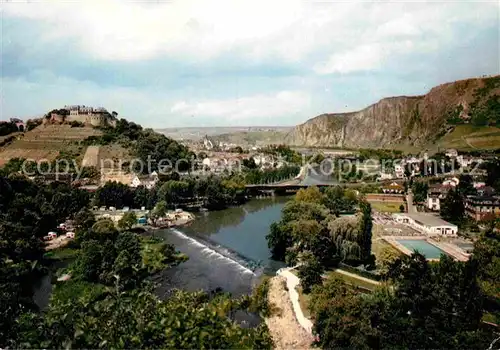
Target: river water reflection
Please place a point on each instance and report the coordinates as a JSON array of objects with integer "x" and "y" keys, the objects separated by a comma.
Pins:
[{"x": 226, "y": 249}]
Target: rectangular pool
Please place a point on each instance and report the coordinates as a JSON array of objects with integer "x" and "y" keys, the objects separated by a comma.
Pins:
[{"x": 425, "y": 248}]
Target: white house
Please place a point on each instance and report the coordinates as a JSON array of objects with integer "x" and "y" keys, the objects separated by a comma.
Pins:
[
  {"x": 50, "y": 236},
  {"x": 452, "y": 153},
  {"x": 399, "y": 171},
  {"x": 208, "y": 144},
  {"x": 435, "y": 194},
  {"x": 478, "y": 184},
  {"x": 136, "y": 182},
  {"x": 147, "y": 181},
  {"x": 453, "y": 182},
  {"x": 427, "y": 224},
  {"x": 261, "y": 159},
  {"x": 264, "y": 161},
  {"x": 393, "y": 188},
  {"x": 467, "y": 161},
  {"x": 412, "y": 160},
  {"x": 385, "y": 176}
]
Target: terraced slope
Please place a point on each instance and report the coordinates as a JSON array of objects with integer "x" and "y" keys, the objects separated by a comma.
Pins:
[
  {"x": 469, "y": 137},
  {"x": 46, "y": 142}
]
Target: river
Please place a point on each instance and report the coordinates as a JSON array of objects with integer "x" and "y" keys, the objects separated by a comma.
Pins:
[{"x": 227, "y": 249}]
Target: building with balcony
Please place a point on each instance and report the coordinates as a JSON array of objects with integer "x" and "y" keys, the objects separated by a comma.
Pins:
[{"x": 482, "y": 207}]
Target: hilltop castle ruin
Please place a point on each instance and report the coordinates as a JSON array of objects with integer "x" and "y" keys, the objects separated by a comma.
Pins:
[{"x": 92, "y": 116}]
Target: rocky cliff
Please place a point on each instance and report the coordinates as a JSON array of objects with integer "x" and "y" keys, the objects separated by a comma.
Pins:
[{"x": 412, "y": 120}]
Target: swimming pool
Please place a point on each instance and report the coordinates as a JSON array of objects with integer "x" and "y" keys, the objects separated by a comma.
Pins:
[{"x": 425, "y": 248}]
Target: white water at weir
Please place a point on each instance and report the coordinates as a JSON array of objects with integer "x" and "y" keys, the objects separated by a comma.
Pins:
[{"x": 210, "y": 252}]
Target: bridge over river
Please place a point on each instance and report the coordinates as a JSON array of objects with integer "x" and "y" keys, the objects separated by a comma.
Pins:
[{"x": 311, "y": 178}]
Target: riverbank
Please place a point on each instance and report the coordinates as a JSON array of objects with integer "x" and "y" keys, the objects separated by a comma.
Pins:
[
  {"x": 171, "y": 220},
  {"x": 286, "y": 331}
]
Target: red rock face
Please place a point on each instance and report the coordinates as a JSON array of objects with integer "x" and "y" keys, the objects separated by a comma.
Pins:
[{"x": 411, "y": 120}]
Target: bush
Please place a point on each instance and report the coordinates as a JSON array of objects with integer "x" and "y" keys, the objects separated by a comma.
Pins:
[
  {"x": 76, "y": 124},
  {"x": 259, "y": 301}
]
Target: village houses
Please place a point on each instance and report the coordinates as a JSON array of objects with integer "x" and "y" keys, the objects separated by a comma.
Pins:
[{"x": 148, "y": 181}]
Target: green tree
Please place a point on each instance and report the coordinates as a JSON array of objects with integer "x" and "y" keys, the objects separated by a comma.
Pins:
[
  {"x": 174, "y": 192},
  {"x": 128, "y": 220},
  {"x": 89, "y": 262},
  {"x": 452, "y": 208},
  {"x": 114, "y": 194},
  {"x": 280, "y": 237},
  {"x": 487, "y": 255},
  {"x": 388, "y": 257},
  {"x": 466, "y": 185},
  {"x": 366, "y": 225},
  {"x": 142, "y": 197},
  {"x": 419, "y": 190},
  {"x": 339, "y": 201},
  {"x": 341, "y": 320},
  {"x": 159, "y": 211},
  {"x": 85, "y": 219},
  {"x": 249, "y": 163},
  {"x": 128, "y": 263},
  {"x": 138, "y": 319},
  {"x": 431, "y": 305},
  {"x": 402, "y": 208},
  {"x": 309, "y": 271},
  {"x": 310, "y": 195},
  {"x": 279, "y": 240}
]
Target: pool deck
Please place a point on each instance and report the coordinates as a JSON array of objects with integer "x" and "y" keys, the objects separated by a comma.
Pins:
[{"x": 450, "y": 249}]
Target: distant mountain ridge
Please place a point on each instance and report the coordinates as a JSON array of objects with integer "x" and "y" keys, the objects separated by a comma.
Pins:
[
  {"x": 406, "y": 120},
  {"x": 198, "y": 133}
]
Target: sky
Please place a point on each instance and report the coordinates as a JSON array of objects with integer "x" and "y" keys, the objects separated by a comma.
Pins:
[{"x": 233, "y": 62}]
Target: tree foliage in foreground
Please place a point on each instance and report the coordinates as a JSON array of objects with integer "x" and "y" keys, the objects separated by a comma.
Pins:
[
  {"x": 138, "y": 319},
  {"x": 431, "y": 306},
  {"x": 28, "y": 211},
  {"x": 487, "y": 256}
]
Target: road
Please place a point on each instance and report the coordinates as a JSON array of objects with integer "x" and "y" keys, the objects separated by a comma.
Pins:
[
  {"x": 292, "y": 282},
  {"x": 409, "y": 200}
]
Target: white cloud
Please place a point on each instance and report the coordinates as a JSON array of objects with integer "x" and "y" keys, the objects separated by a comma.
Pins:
[
  {"x": 246, "y": 40},
  {"x": 361, "y": 58},
  {"x": 154, "y": 108},
  {"x": 287, "y": 30},
  {"x": 246, "y": 110}
]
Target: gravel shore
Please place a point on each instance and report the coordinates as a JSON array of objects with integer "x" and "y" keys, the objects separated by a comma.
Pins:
[{"x": 283, "y": 326}]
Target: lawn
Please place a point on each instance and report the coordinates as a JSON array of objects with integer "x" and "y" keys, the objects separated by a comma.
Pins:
[
  {"x": 304, "y": 301},
  {"x": 62, "y": 253},
  {"x": 379, "y": 245},
  {"x": 386, "y": 207},
  {"x": 491, "y": 318},
  {"x": 353, "y": 281},
  {"x": 73, "y": 289}
]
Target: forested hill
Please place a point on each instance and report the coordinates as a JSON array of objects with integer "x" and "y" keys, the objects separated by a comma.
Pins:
[
  {"x": 407, "y": 120},
  {"x": 124, "y": 142},
  {"x": 143, "y": 144}
]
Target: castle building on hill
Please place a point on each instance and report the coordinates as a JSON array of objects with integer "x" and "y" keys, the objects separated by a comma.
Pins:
[{"x": 83, "y": 114}]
